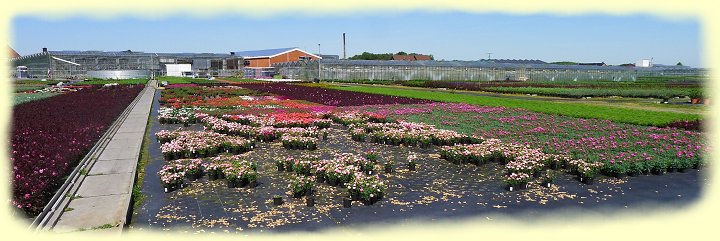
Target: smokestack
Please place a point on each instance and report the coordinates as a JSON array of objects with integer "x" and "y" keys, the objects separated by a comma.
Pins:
[
  {"x": 44, "y": 50},
  {"x": 344, "y": 56}
]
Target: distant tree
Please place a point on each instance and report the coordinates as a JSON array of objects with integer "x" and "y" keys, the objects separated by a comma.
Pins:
[
  {"x": 564, "y": 63},
  {"x": 401, "y": 53},
  {"x": 679, "y": 64}
]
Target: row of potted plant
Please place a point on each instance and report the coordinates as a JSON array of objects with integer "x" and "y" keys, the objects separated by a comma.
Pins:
[
  {"x": 408, "y": 134},
  {"x": 260, "y": 133},
  {"x": 172, "y": 175},
  {"x": 293, "y": 142},
  {"x": 183, "y": 115},
  {"x": 292, "y": 119},
  {"x": 199, "y": 144},
  {"x": 353, "y": 117},
  {"x": 345, "y": 170}
]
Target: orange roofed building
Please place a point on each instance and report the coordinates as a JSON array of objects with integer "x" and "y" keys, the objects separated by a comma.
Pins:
[
  {"x": 266, "y": 57},
  {"x": 13, "y": 54}
]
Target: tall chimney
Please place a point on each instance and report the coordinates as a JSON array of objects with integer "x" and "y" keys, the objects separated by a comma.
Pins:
[
  {"x": 344, "y": 56},
  {"x": 44, "y": 50}
]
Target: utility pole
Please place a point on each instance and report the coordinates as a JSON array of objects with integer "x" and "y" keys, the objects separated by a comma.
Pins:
[
  {"x": 344, "y": 56},
  {"x": 318, "y": 62},
  {"x": 489, "y": 55}
]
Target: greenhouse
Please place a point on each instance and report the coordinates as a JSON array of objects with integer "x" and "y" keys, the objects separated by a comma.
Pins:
[
  {"x": 122, "y": 64},
  {"x": 467, "y": 71}
]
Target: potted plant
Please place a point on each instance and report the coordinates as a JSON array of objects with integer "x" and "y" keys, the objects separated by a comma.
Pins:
[
  {"x": 280, "y": 166},
  {"x": 388, "y": 167},
  {"x": 695, "y": 96},
  {"x": 347, "y": 203},
  {"x": 277, "y": 200},
  {"x": 231, "y": 179},
  {"x": 516, "y": 181},
  {"x": 371, "y": 156},
  {"x": 252, "y": 177},
  {"x": 310, "y": 201},
  {"x": 548, "y": 178},
  {"x": 412, "y": 162},
  {"x": 658, "y": 167}
]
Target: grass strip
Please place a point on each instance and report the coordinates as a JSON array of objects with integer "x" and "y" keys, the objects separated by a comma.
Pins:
[{"x": 624, "y": 115}]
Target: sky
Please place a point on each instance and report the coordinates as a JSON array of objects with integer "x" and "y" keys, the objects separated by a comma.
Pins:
[{"x": 612, "y": 39}]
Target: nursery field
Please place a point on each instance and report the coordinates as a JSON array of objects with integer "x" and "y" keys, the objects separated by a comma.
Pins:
[
  {"x": 580, "y": 110},
  {"x": 50, "y": 136},
  {"x": 278, "y": 157}
]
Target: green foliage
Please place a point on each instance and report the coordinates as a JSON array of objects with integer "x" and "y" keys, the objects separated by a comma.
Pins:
[
  {"x": 110, "y": 81},
  {"x": 22, "y": 98},
  {"x": 581, "y": 110},
  {"x": 661, "y": 93}
]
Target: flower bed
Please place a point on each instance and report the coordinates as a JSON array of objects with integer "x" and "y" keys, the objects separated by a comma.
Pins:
[
  {"x": 50, "y": 136},
  {"x": 194, "y": 144},
  {"x": 328, "y": 96},
  {"x": 409, "y": 134}
]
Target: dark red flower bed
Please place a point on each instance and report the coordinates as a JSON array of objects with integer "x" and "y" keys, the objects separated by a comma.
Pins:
[
  {"x": 50, "y": 136},
  {"x": 328, "y": 96},
  {"x": 694, "y": 125}
]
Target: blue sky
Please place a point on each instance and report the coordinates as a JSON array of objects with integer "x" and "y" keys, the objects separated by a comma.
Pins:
[{"x": 446, "y": 35}]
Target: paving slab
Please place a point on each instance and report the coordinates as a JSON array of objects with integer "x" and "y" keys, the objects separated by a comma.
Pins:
[
  {"x": 103, "y": 185},
  {"x": 128, "y": 135},
  {"x": 103, "y": 167},
  {"x": 114, "y": 153},
  {"x": 127, "y": 143},
  {"x": 91, "y": 212}
]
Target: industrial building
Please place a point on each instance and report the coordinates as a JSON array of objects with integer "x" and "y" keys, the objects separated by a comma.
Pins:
[
  {"x": 122, "y": 64},
  {"x": 258, "y": 63}
]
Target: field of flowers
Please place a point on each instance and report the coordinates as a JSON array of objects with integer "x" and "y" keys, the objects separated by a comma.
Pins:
[
  {"x": 328, "y": 96},
  {"x": 50, "y": 136},
  {"x": 277, "y": 161}
]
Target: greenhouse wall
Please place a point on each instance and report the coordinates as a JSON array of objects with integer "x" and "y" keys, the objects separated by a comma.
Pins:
[{"x": 464, "y": 71}]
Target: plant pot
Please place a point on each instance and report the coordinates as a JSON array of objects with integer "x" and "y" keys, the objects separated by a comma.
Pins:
[
  {"x": 683, "y": 170},
  {"x": 309, "y": 192},
  {"x": 212, "y": 176},
  {"x": 221, "y": 175},
  {"x": 332, "y": 182},
  {"x": 511, "y": 188},
  {"x": 355, "y": 196},
  {"x": 411, "y": 167},
  {"x": 587, "y": 181},
  {"x": 230, "y": 184},
  {"x": 671, "y": 170},
  {"x": 320, "y": 179},
  {"x": 546, "y": 184},
  {"x": 170, "y": 189},
  {"x": 620, "y": 175},
  {"x": 298, "y": 194},
  {"x": 347, "y": 203},
  {"x": 242, "y": 182},
  {"x": 388, "y": 170},
  {"x": 252, "y": 184},
  {"x": 380, "y": 195},
  {"x": 695, "y": 101},
  {"x": 310, "y": 202},
  {"x": 280, "y": 169},
  {"x": 632, "y": 174},
  {"x": 536, "y": 174},
  {"x": 658, "y": 172},
  {"x": 192, "y": 177},
  {"x": 277, "y": 200}
]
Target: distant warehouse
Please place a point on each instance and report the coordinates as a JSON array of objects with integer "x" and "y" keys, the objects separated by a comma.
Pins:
[
  {"x": 258, "y": 63},
  {"x": 483, "y": 70},
  {"x": 123, "y": 64}
]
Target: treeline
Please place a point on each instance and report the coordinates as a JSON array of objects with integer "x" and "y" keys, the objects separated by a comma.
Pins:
[{"x": 386, "y": 56}]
